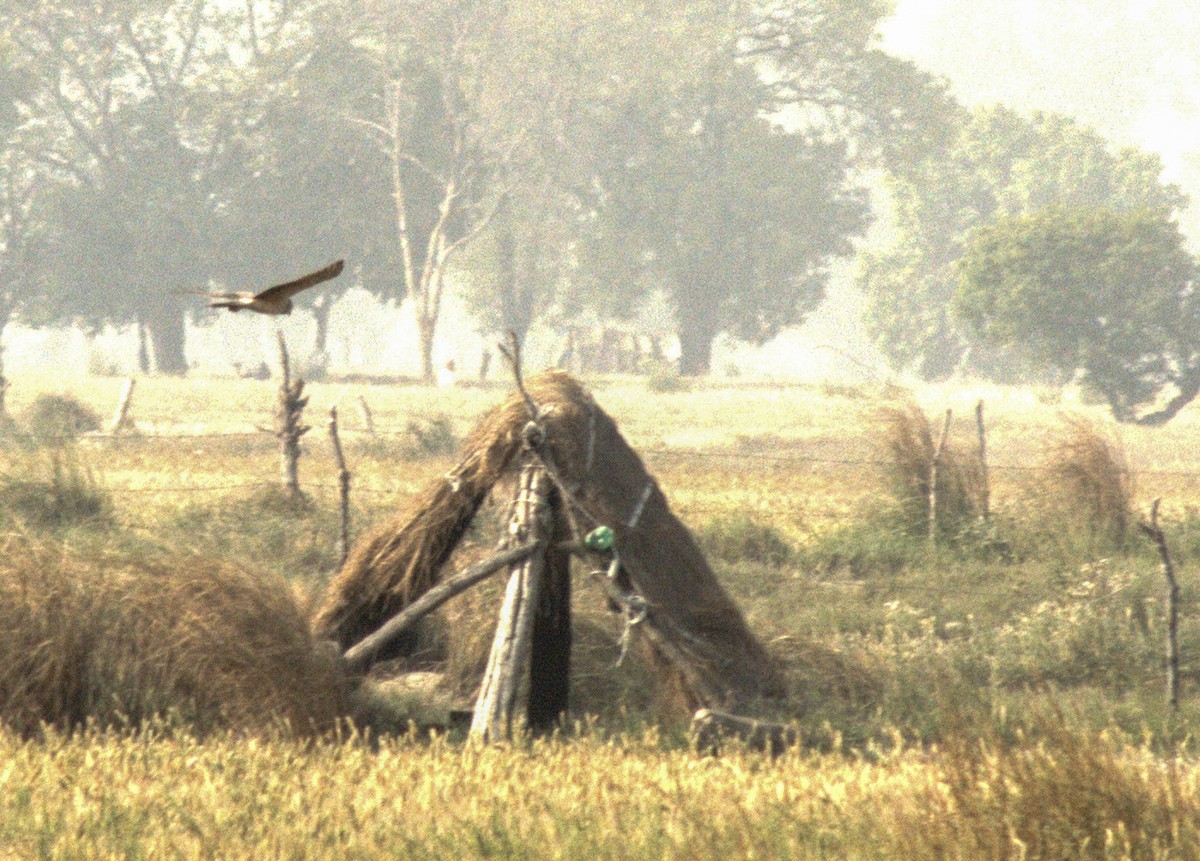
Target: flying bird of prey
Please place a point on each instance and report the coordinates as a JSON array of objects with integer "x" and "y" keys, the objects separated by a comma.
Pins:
[{"x": 273, "y": 300}]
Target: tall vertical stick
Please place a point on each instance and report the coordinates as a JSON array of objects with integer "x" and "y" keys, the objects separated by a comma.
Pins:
[
  {"x": 343, "y": 544},
  {"x": 985, "y": 491},
  {"x": 506, "y": 678},
  {"x": 368, "y": 418},
  {"x": 121, "y": 417},
  {"x": 288, "y": 422},
  {"x": 1154, "y": 531},
  {"x": 934, "y": 467}
]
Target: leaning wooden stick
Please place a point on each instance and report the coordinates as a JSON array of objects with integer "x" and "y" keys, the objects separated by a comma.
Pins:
[
  {"x": 1154, "y": 531},
  {"x": 343, "y": 545},
  {"x": 359, "y": 656},
  {"x": 934, "y": 467},
  {"x": 121, "y": 418}
]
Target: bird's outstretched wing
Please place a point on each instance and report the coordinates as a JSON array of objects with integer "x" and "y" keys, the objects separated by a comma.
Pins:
[{"x": 280, "y": 292}]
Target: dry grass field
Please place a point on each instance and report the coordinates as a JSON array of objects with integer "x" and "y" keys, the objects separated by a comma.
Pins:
[{"x": 997, "y": 693}]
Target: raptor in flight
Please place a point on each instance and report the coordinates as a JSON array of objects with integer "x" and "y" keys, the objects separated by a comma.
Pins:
[{"x": 273, "y": 300}]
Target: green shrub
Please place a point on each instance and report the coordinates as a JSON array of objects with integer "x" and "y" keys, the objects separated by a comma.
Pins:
[
  {"x": 53, "y": 488},
  {"x": 742, "y": 538},
  {"x": 665, "y": 378},
  {"x": 430, "y": 438}
]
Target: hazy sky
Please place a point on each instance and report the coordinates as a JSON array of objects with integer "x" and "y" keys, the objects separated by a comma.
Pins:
[{"x": 1130, "y": 68}]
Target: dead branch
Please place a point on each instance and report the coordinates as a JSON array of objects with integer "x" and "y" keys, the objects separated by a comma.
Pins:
[
  {"x": 359, "y": 656},
  {"x": 1155, "y": 533}
]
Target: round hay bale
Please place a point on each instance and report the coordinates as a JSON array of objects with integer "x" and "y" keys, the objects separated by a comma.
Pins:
[{"x": 117, "y": 640}]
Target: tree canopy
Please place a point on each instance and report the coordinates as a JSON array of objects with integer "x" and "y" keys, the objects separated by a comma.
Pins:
[
  {"x": 1001, "y": 164},
  {"x": 1108, "y": 296}
]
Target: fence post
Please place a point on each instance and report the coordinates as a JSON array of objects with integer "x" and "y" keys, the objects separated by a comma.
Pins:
[
  {"x": 289, "y": 429},
  {"x": 121, "y": 417},
  {"x": 343, "y": 543},
  {"x": 1154, "y": 531},
  {"x": 934, "y": 467},
  {"x": 985, "y": 492},
  {"x": 367, "y": 417}
]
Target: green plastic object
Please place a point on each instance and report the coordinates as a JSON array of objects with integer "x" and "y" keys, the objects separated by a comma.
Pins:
[{"x": 599, "y": 539}]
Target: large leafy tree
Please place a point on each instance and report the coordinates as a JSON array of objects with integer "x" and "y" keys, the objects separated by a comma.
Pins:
[
  {"x": 147, "y": 109},
  {"x": 1108, "y": 296},
  {"x": 1000, "y": 164},
  {"x": 734, "y": 218},
  {"x": 467, "y": 93},
  {"x": 22, "y": 199},
  {"x": 726, "y": 183}
]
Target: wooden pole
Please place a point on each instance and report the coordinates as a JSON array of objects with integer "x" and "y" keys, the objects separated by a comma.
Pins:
[
  {"x": 288, "y": 416},
  {"x": 506, "y": 677},
  {"x": 365, "y": 411},
  {"x": 1154, "y": 531},
  {"x": 934, "y": 467},
  {"x": 343, "y": 543},
  {"x": 359, "y": 656},
  {"x": 550, "y": 661},
  {"x": 985, "y": 492},
  {"x": 121, "y": 417}
]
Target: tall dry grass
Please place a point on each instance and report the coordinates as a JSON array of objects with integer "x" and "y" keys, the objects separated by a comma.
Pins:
[
  {"x": 1086, "y": 486},
  {"x": 114, "y": 639},
  {"x": 1052, "y": 798},
  {"x": 907, "y": 439}
]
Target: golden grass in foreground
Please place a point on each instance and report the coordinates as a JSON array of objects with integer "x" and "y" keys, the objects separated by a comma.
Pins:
[{"x": 229, "y": 797}]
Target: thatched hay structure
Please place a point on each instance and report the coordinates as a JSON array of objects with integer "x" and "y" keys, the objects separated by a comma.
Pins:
[{"x": 694, "y": 633}]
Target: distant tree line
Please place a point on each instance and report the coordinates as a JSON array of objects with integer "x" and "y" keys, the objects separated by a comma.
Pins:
[
  {"x": 561, "y": 155},
  {"x": 558, "y": 158}
]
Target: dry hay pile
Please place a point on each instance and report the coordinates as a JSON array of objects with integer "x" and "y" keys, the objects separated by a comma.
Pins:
[
  {"x": 695, "y": 635},
  {"x": 115, "y": 641},
  {"x": 1085, "y": 483},
  {"x": 907, "y": 438}
]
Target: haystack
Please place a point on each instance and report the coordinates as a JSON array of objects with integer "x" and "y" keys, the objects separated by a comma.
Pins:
[{"x": 694, "y": 634}]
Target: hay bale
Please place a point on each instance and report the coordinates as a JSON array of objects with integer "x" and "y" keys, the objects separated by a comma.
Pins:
[
  {"x": 115, "y": 641},
  {"x": 693, "y": 625}
]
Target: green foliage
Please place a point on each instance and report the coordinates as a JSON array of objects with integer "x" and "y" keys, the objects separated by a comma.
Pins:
[
  {"x": 742, "y": 538},
  {"x": 431, "y": 438},
  {"x": 53, "y": 488},
  {"x": 1000, "y": 165},
  {"x": 1108, "y": 295}
]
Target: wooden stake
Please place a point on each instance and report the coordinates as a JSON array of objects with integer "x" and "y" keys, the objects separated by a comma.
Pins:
[
  {"x": 934, "y": 467},
  {"x": 121, "y": 417},
  {"x": 985, "y": 492},
  {"x": 365, "y": 411},
  {"x": 343, "y": 544},
  {"x": 359, "y": 656},
  {"x": 506, "y": 679},
  {"x": 288, "y": 416},
  {"x": 1155, "y": 533}
]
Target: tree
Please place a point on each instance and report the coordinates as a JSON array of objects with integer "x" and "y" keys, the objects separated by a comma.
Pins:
[
  {"x": 1105, "y": 295},
  {"x": 466, "y": 87},
  {"x": 21, "y": 207},
  {"x": 708, "y": 200},
  {"x": 1000, "y": 164},
  {"x": 145, "y": 106},
  {"x": 725, "y": 180}
]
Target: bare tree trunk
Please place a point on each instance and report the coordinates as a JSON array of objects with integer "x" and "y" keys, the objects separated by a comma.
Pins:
[
  {"x": 425, "y": 330},
  {"x": 167, "y": 329},
  {"x": 143, "y": 353}
]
